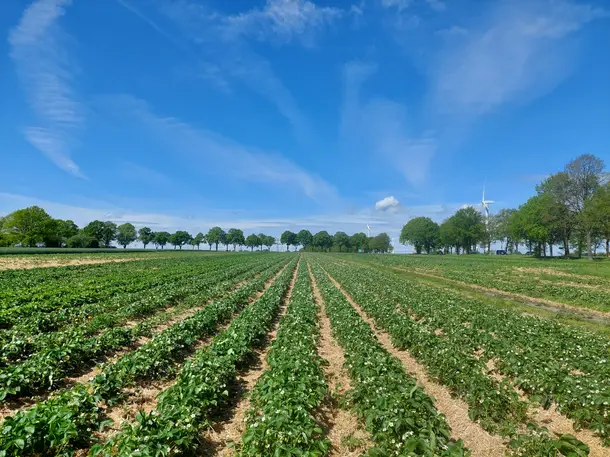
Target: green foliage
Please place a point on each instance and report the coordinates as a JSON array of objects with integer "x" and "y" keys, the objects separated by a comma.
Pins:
[
  {"x": 82, "y": 240},
  {"x": 236, "y": 237},
  {"x": 252, "y": 241},
  {"x": 322, "y": 240},
  {"x": 180, "y": 238},
  {"x": 381, "y": 243},
  {"x": 284, "y": 401},
  {"x": 126, "y": 234},
  {"x": 422, "y": 233},
  {"x": 103, "y": 232},
  {"x": 399, "y": 415},
  {"x": 359, "y": 242},
  {"x": 215, "y": 236},
  {"x": 288, "y": 238},
  {"x": 465, "y": 229},
  {"x": 304, "y": 238},
  {"x": 161, "y": 238},
  {"x": 146, "y": 236},
  {"x": 341, "y": 240},
  {"x": 28, "y": 226}
]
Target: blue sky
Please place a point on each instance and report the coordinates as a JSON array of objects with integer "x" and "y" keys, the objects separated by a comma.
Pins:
[{"x": 275, "y": 114}]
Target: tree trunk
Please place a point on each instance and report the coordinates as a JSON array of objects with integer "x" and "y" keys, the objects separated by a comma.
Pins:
[
  {"x": 589, "y": 253},
  {"x": 566, "y": 247},
  {"x": 551, "y": 248},
  {"x": 607, "y": 247},
  {"x": 180, "y": 247}
]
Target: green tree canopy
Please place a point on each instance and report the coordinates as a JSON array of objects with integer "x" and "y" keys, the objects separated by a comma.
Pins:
[
  {"x": 288, "y": 238},
  {"x": 359, "y": 242},
  {"x": 146, "y": 236},
  {"x": 305, "y": 238},
  {"x": 126, "y": 234},
  {"x": 269, "y": 241},
  {"x": 198, "y": 239},
  {"x": 322, "y": 240},
  {"x": 103, "y": 232},
  {"x": 252, "y": 241},
  {"x": 215, "y": 236},
  {"x": 28, "y": 226},
  {"x": 180, "y": 238},
  {"x": 341, "y": 240},
  {"x": 381, "y": 243},
  {"x": 422, "y": 233},
  {"x": 162, "y": 238},
  {"x": 235, "y": 237},
  {"x": 469, "y": 227}
]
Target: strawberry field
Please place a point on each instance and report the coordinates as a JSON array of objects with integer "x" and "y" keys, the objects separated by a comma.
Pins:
[{"x": 222, "y": 356}]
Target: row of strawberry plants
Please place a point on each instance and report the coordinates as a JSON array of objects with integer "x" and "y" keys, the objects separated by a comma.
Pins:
[
  {"x": 556, "y": 288},
  {"x": 65, "y": 422},
  {"x": 73, "y": 350},
  {"x": 494, "y": 404},
  {"x": 549, "y": 361},
  {"x": 185, "y": 409},
  {"x": 57, "y": 307},
  {"x": 19, "y": 343},
  {"x": 285, "y": 398},
  {"x": 401, "y": 418},
  {"x": 94, "y": 283}
]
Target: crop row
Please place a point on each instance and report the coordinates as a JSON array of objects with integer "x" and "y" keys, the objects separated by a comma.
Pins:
[
  {"x": 60, "y": 302},
  {"x": 65, "y": 421},
  {"x": 72, "y": 350},
  {"x": 401, "y": 418},
  {"x": 493, "y": 403},
  {"x": 504, "y": 278},
  {"x": 282, "y": 422},
  {"x": 549, "y": 361},
  {"x": 19, "y": 343},
  {"x": 186, "y": 408},
  {"x": 73, "y": 286}
]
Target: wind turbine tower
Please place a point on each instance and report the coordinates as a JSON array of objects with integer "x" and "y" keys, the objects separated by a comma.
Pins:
[
  {"x": 368, "y": 229},
  {"x": 485, "y": 204}
]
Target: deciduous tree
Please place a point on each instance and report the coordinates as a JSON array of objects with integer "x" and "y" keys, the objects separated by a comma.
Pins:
[
  {"x": 145, "y": 235},
  {"x": 126, "y": 234},
  {"x": 422, "y": 233},
  {"x": 235, "y": 237}
]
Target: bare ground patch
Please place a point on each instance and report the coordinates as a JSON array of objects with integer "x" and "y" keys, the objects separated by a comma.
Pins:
[
  {"x": 24, "y": 263},
  {"x": 346, "y": 435},
  {"x": 479, "y": 441}
]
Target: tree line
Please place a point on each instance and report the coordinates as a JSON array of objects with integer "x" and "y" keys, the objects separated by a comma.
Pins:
[
  {"x": 571, "y": 210},
  {"x": 33, "y": 226}
]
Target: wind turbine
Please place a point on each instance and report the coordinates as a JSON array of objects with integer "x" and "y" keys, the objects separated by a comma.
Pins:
[
  {"x": 368, "y": 228},
  {"x": 485, "y": 204}
]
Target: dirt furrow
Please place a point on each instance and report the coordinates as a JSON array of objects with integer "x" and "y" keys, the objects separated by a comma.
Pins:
[
  {"x": 341, "y": 426},
  {"x": 227, "y": 431},
  {"x": 479, "y": 441}
]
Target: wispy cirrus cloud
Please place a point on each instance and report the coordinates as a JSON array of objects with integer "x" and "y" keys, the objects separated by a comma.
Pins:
[
  {"x": 380, "y": 126},
  {"x": 283, "y": 21},
  {"x": 237, "y": 161},
  {"x": 46, "y": 72},
  {"x": 519, "y": 52}
]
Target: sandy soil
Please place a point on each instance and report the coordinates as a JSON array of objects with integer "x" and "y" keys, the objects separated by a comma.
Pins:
[{"x": 26, "y": 263}]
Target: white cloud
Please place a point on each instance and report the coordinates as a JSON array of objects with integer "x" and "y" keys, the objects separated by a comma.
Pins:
[
  {"x": 46, "y": 75},
  {"x": 518, "y": 54},
  {"x": 387, "y": 204},
  {"x": 381, "y": 126},
  {"x": 283, "y": 20},
  {"x": 219, "y": 152}
]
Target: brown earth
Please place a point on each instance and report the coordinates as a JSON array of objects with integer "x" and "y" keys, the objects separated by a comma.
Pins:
[{"x": 25, "y": 263}]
